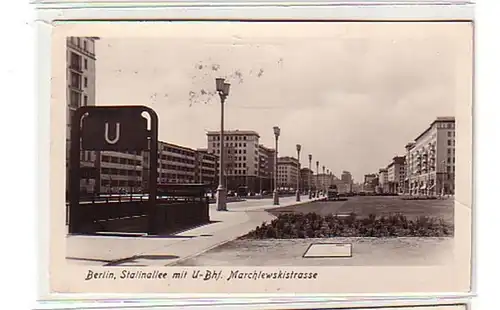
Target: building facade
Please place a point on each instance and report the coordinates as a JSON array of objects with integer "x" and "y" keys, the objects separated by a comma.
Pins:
[
  {"x": 347, "y": 181},
  {"x": 383, "y": 181},
  {"x": 288, "y": 172},
  {"x": 346, "y": 177},
  {"x": 432, "y": 159},
  {"x": 266, "y": 169},
  {"x": 183, "y": 165},
  {"x": 408, "y": 168},
  {"x": 370, "y": 182},
  {"x": 306, "y": 179},
  {"x": 324, "y": 180},
  {"x": 396, "y": 174},
  {"x": 206, "y": 169},
  {"x": 80, "y": 91},
  {"x": 245, "y": 162},
  {"x": 119, "y": 172}
]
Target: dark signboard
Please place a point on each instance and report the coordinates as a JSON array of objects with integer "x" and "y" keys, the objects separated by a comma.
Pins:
[
  {"x": 115, "y": 130},
  {"x": 111, "y": 128}
]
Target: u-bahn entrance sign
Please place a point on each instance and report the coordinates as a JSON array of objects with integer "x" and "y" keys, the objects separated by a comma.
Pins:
[{"x": 112, "y": 128}]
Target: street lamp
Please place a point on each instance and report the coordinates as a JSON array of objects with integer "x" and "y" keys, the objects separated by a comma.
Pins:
[
  {"x": 276, "y": 199},
  {"x": 323, "y": 177},
  {"x": 309, "y": 176},
  {"x": 297, "y": 194},
  {"x": 327, "y": 173},
  {"x": 223, "y": 90},
  {"x": 443, "y": 165},
  {"x": 317, "y": 178}
]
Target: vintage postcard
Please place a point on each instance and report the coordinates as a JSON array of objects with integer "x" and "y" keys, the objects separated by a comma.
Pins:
[{"x": 261, "y": 157}]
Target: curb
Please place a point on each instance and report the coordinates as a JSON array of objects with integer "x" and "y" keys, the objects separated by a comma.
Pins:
[{"x": 233, "y": 238}]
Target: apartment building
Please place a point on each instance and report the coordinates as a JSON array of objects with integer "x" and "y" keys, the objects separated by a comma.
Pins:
[
  {"x": 370, "y": 182},
  {"x": 323, "y": 180},
  {"x": 119, "y": 172},
  {"x": 180, "y": 164},
  {"x": 306, "y": 179},
  {"x": 266, "y": 169},
  {"x": 431, "y": 159},
  {"x": 346, "y": 177},
  {"x": 396, "y": 174},
  {"x": 206, "y": 170},
  {"x": 408, "y": 168},
  {"x": 288, "y": 172},
  {"x": 383, "y": 180},
  {"x": 80, "y": 91},
  {"x": 241, "y": 158}
]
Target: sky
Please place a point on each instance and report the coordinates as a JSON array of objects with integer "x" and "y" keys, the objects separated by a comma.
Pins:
[{"x": 351, "y": 94}]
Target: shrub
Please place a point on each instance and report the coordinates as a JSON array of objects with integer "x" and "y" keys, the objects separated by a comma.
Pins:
[{"x": 311, "y": 225}]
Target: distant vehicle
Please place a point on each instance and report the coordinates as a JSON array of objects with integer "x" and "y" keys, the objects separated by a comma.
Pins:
[
  {"x": 332, "y": 193},
  {"x": 242, "y": 191}
]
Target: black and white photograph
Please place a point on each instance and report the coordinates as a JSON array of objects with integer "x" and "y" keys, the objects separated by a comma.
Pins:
[{"x": 283, "y": 145}]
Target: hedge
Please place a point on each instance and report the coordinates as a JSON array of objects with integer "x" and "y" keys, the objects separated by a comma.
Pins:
[{"x": 312, "y": 225}]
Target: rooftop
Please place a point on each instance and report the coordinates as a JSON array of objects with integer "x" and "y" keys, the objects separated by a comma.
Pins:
[
  {"x": 176, "y": 146},
  {"x": 266, "y": 148},
  {"x": 236, "y": 132},
  {"x": 287, "y": 158},
  {"x": 439, "y": 119}
]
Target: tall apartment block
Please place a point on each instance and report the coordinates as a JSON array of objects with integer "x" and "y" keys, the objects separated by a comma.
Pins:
[
  {"x": 180, "y": 164},
  {"x": 430, "y": 159},
  {"x": 246, "y": 162},
  {"x": 80, "y": 91},
  {"x": 288, "y": 172}
]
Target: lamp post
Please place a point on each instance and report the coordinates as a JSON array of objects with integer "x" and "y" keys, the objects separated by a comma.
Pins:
[
  {"x": 323, "y": 181},
  {"x": 328, "y": 173},
  {"x": 443, "y": 165},
  {"x": 276, "y": 199},
  {"x": 223, "y": 91},
  {"x": 309, "y": 177},
  {"x": 317, "y": 178},
  {"x": 297, "y": 194}
]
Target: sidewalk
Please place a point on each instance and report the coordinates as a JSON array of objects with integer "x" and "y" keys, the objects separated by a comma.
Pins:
[{"x": 147, "y": 251}]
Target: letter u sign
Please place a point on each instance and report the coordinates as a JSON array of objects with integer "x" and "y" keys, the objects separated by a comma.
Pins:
[{"x": 117, "y": 133}]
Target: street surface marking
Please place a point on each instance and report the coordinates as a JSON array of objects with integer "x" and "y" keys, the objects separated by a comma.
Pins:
[{"x": 328, "y": 250}]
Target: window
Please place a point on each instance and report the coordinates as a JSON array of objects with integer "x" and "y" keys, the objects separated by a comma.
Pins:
[
  {"x": 85, "y": 100},
  {"x": 75, "y": 61},
  {"x": 86, "y": 64},
  {"x": 71, "y": 114},
  {"x": 75, "y": 99},
  {"x": 76, "y": 80},
  {"x": 84, "y": 45},
  {"x": 85, "y": 82},
  {"x": 449, "y": 142},
  {"x": 78, "y": 42}
]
